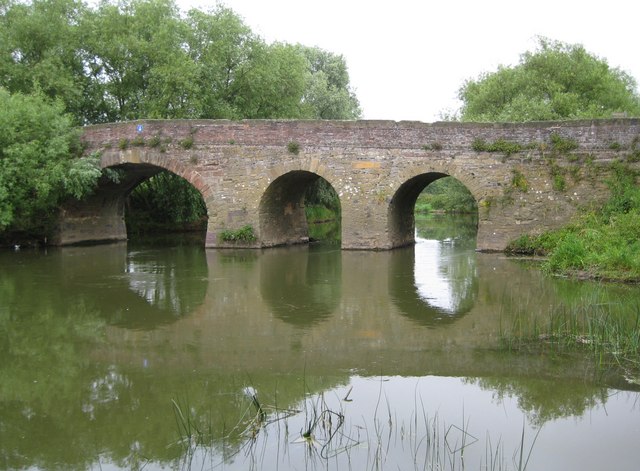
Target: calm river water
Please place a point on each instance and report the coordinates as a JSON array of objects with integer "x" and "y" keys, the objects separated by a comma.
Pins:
[{"x": 135, "y": 356}]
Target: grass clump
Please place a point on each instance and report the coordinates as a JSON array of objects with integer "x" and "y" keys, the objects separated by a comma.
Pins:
[
  {"x": 499, "y": 145},
  {"x": 155, "y": 141},
  {"x": 319, "y": 213},
  {"x": 187, "y": 143},
  {"x": 244, "y": 234},
  {"x": 561, "y": 144},
  {"x": 293, "y": 148},
  {"x": 519, "y": 181},
  {"x": 436, "y": 146}
]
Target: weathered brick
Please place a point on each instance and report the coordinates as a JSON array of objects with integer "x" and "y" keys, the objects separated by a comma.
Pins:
[{"x": 248, "y": 176}]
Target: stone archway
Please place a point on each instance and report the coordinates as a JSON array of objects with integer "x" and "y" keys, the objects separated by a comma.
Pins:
[
  {"x": 401, "y": 209},
  {"x": 282, "y": 209},
  {"x": 101, "y": 216}
]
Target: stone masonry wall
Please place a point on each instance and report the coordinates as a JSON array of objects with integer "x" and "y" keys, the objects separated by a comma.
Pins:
[{"x": 377, "y": 168}]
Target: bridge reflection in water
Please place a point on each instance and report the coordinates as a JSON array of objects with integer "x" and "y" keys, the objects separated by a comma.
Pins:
[{"x": 115, "y": 333}]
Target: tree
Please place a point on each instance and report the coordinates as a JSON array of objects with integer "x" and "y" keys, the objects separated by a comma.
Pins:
[
  {"x": 39, "y": 163},
  {"x": 558, "y": 81},
  {"x": 449, "y": 195},
  {"x": 328, "y": 94},
  {"x": 136, "y": 62},
  {"x": 136, "y": 59},
  {"x": 39, "y": 50}
]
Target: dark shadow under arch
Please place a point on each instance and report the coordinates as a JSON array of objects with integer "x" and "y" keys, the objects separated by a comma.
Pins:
[{"x": 282, "y": 209}]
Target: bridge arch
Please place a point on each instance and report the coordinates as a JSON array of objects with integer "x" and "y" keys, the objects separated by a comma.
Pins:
[
  {"x": 101, "y": 216},
  {"x": 145, "y": 158},
  {"x": 401, "y": 209},
  {"x": 282, "y": 215}
]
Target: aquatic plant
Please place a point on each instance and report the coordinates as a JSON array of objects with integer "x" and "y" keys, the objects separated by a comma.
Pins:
[
  {"x": 599, "y": 327},
  {"x": 332, "y": 438}
]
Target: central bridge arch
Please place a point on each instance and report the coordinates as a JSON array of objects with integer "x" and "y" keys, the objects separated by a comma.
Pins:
[
  {"x": 401, "y": 209},
  {"x": 283, "y": 220}
]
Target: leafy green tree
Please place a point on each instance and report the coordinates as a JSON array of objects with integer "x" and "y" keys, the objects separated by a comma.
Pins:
[
  {"x": 39, "y": 164},
  {"x": 274, "y": 85},
  {"x": 165, "y": 201},
  {"x": 558, "y": 81},
  {"x": 136, "y": 59},
  {"x": 39, "y": 50},
  {"x": 448, "y": 195},
  {"x": 328, "y": 94},
  {"x": 136, "y": 64}
]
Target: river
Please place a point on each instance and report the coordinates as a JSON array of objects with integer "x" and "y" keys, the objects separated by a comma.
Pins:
[{"x": 144, "y": 356}]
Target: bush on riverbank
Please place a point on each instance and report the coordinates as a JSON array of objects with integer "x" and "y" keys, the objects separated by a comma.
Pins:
[
  {"x": 446, "y": 195},
  {"x": 40, "y": 166},
  {"x": 603, "y": 243}
]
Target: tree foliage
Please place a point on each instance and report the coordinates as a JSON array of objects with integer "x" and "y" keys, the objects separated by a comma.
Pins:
[
  {"x": 557, "y": 81},
  {"x": 39, "y": 164},
  {"x": 134, "y": 59},
  {"x": 327, "y": 94},
  {"x": 446, "y": 194}
]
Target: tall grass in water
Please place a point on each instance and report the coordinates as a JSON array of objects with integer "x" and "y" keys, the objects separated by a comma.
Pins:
[
  {"x": 329, "y": 433},
  {"x": 608, "y": 330}
]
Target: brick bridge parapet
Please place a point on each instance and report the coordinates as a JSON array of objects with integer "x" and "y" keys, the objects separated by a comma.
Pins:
[{"x": 525, "y": 177}]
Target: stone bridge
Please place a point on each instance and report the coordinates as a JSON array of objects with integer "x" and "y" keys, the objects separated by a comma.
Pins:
[{"x": 524, "y": 177}]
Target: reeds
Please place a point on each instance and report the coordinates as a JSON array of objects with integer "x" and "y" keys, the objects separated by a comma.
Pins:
[
  {"x": 607, "y": 330},
  {"x": 321, "y": 434}
]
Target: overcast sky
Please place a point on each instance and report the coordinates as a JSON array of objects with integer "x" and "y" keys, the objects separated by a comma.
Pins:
[{"x": 408, "y": 58}]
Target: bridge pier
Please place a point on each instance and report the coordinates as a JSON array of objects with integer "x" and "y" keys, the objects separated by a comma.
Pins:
[{"x": 98, "y": 219}]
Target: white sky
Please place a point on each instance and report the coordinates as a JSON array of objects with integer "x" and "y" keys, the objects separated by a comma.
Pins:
[{"x": 408, "y": 58}]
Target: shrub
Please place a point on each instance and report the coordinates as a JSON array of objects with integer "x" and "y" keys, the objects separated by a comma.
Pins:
[
  {"x": 519, "y": 181},
  {"x": 562, "y": 144},
  {"x": 155, "y": 141},
  {"x": 187, "y": 143},
  {"x": 244, "y": 234},
  {"x": 293, "y": 147}
]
